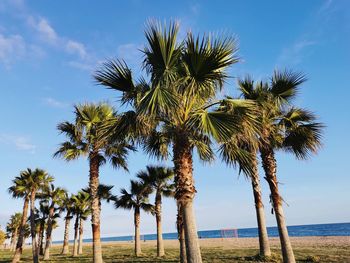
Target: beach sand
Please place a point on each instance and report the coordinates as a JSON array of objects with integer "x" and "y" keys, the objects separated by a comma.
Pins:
[{"x": 232, "y": 243}]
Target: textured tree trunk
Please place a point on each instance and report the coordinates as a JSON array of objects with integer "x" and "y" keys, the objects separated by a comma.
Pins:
[
  {"x": 81, "y": 231},
  {"x": 49, "y": 232},
  {"x": 269, "y": 165},
  {"x": 19, "y": 246},
  {"x": 41, "y": 238},
  {"x": 137, "y": 232},
  {"x": 76, "y": 229},
  {"x": 65, "y": 248},
  {"x": 185, "y": 192},
  {"x": 95, "y": 208},
  {"x": 181, "y": 234},
  {"x": 260, "y": 213},
  {"x": 14, "y": 240},
  {"x": 32, "y": 227},
  {"x": 158, "y": 212}
]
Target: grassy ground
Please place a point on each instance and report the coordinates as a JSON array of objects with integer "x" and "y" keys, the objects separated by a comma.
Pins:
[{"x": 124, "y": 253}]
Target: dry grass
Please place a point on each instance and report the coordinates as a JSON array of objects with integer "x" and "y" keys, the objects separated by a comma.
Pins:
[{"x": 123, "y": 252}]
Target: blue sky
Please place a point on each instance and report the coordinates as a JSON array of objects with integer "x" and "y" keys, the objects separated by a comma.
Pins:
[{"x": 49, "y": 50}]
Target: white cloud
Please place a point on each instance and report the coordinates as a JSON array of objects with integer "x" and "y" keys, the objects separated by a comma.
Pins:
[
  {"x": 130, "y": 53},
  {"x": 12, "y": 48},
  {"x": 86, "y": 66},
  {"x": 20, "y": 142},
  {"x": 44, "y": 29},
  {"x": 49, "y": 35},
  {"x": 54, "y": 103},
  {"x": 294, "y": 54},
  {"x": 75, "y": 47}
]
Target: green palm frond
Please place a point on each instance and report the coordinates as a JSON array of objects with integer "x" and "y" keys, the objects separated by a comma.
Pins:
[
  {"x": 158, "y": 99},
  {"x": 115, "y": 74},
  {"x": 156, "y": 144},
  {"x": 162, "y": 54},
  {"x": 303, "y": 135},
  {"x": 205, "y": 61},
  {"x": 285, "y": 85}
]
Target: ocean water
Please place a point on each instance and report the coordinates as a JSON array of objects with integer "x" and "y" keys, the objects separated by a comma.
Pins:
[{"x": 337, "y": 229}]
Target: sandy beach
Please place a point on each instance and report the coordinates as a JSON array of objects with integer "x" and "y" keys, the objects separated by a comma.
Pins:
[{"x": 232, "y": 243}]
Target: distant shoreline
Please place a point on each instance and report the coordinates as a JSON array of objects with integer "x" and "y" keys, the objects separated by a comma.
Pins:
[{"x": 313, "y": 230}]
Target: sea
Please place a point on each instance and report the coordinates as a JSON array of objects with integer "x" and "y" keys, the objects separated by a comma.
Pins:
[{"x": 335, "y": 229}]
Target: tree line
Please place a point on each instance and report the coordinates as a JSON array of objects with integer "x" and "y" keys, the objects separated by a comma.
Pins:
[{"x": 177, "y": 108}]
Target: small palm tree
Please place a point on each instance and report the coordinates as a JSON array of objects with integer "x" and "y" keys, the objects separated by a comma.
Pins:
[
  {"x": 12, "y": 229},
  {"x": 87, "y": 137},
  {"x": 158, "y": 178},
  {"x": 282, "y": 128},
  {"x": 180, "y": 105},
  {"x": 43, "y": 214},
  {"x": 68, "y": 207},
  {"x": 26, "y": 186},
  {"x": 136, "y": 200},
  {"x": 54, "y": 195},
  {"x": 82, "y": 209}
]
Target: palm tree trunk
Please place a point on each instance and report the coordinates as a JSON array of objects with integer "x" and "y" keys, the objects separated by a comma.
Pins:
[
  {"x": 41, "y": 241},
  {"x": 19, "y": 246},
  {"x": 137, "y": 232},
  {"x": 14, "y": 240},
  {"x": 181, "y": 234},
  {"x": 95, "y": 208},
  {"x": 32, "y": 227},
  {"x": 76, "y": 227},
  {"x": 158, "y": 212},
  {"x": 185, "y": 192},
  {"x": 49, "y": 233},
  {"x": 65, "y": 248},
  {"x": 269, "y": 165},
  {"x": 81, "y": 231},
  {"x": 260, "y": 213}
]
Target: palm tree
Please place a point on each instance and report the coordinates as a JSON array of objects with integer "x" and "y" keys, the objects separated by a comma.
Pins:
[
  {"x": 87, "y": 138},
  {"x": 55, "y": 195},
  {"x": 282, "y": 127},
  {"x": 82, "y": 207},
  {"x": 241, "y": 150},
  {"x": 43, "y": 214},
  {"x": 158, "y": 177},
  {"x": 179, "y": 104},
  {"x": 68, "y": 207},
  {"x": 26, "y": 186},
  {"x": 136, "y": 199},
  {"x": 181, "y": 233},
  {"x": 12, "y": 228}
]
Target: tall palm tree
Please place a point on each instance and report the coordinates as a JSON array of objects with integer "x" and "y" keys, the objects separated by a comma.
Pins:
[
  {"x": 87, "y": 138},
  {"x": 136, "y": 200},
  {"x": 158, "y": 178},
  {"x": 179, "y": 104},
  {"x": 68, "y": 207},
  {"x": 26, "y": 186},
  {"x": 12, "y": 228},
  {"x": 282, "y": 128},
  {"x": 181, "y": 234},
  {"x": 55, "y": 195},
  {"x": 241, "y": 150}
]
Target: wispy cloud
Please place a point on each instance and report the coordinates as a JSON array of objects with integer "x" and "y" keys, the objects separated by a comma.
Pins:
[
  {"x": 12, "y": 48},
  {"x": 131, "y": 53},
  {"x": 294, "y": 54},
  {"x": 54, "y": 103},
  {"x": 75, "y": 47},
  {"x": 44, "y": 29},
  {"x": 20, "y": 142}
]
